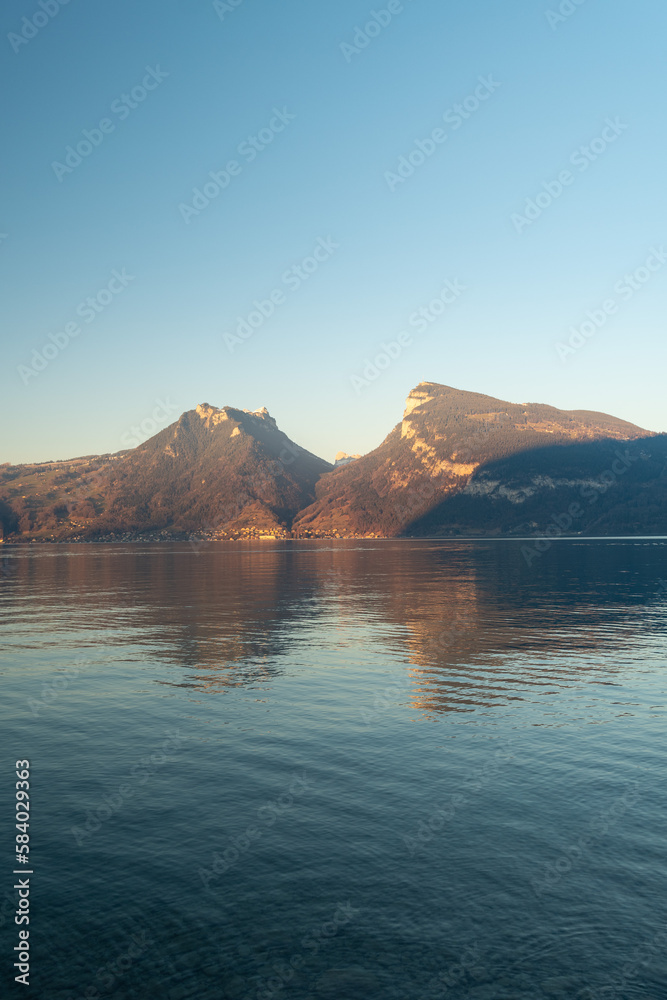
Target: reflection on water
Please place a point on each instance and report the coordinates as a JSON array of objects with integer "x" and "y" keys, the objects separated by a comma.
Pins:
[{"x": 479, "y": 743}]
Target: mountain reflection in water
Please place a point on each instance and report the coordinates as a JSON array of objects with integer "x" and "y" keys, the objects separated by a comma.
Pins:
[{"x": 425, "y": 732}]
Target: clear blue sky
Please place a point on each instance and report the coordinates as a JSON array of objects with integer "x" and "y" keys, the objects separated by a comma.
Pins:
[{"x": 324, "y": 176}]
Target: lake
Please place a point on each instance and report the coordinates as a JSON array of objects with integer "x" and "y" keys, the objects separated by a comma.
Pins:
[{"x": 339, "y": 769}]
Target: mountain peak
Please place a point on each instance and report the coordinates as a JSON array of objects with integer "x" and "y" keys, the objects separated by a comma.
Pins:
[
  {"x": 421, "y": 394},
  {"x": 223, "y": 472},
  {"x": 460, "y": 462},
  {"x": 212, "y": 415},
  {"x": 450, "y": 442},
  {"x": 262, "y": 414},
  {"x": 342, "y": 458}
]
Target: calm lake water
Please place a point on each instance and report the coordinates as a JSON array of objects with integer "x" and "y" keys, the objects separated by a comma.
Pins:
[{"x": 339, "y": 770}]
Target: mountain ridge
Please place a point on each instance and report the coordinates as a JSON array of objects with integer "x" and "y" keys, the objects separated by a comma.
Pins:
[
  {"x": 445, "y": 436},
  {"x": 457, "y": 461},
  {"x": 226, "y": 470}
]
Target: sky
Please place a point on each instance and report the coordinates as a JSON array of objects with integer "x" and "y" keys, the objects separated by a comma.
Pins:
[{"x": 250, "y": 204}]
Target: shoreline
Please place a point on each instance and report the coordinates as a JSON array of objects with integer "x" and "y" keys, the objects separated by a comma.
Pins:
[{"x": 201, "y": 542}]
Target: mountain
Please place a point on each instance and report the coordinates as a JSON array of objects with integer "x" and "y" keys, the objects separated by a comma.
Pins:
[
  {"x": 458, "y": 464},
  {"x": 342, "y": 458},
  {"x": 464, "y": 463},
  {"x": 219, "y": 472}
]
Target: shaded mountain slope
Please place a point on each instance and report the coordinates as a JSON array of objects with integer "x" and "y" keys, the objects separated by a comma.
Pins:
[
  {"x": 446, "y": 435},
  {"x": 595, "y": 488},
  {"x": 459, "y": 463}
]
